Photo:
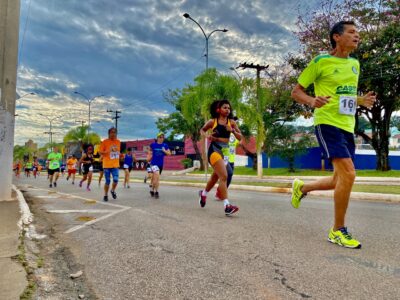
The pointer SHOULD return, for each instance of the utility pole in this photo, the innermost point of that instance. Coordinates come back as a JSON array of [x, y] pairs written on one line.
[[258, 68], [117, 116], [9, 28]]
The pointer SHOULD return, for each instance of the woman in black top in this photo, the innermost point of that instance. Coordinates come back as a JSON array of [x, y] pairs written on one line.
[[87, 164], [218, 131]]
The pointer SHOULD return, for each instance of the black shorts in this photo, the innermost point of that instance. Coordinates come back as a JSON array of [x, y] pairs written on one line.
[[86, 169], [52, 171], [335, 142]]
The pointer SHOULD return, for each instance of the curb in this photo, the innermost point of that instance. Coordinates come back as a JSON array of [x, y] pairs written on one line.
[[329, 194], [25, 222]]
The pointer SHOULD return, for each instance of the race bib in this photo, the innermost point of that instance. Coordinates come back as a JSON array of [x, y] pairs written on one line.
[[55, 164], [232, 150], [226, 160], [91, 169], [126, 166], [114, 155], [348, 105], [155, 168]]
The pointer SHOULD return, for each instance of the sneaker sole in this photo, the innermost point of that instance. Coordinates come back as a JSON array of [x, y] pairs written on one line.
[[341, 245]]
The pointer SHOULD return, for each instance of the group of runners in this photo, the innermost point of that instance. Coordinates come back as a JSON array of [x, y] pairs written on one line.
[[28, 167], [335, 79]]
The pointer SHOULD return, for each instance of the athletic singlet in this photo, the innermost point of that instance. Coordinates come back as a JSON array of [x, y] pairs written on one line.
[[220, 130], [88, 157]]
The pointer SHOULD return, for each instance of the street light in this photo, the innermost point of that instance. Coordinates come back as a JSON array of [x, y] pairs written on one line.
[[207, 36], [89, 102], [51, 126], [234, 70], [27, 94]]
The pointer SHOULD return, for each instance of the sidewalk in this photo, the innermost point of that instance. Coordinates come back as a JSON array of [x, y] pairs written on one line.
[[12, 276]]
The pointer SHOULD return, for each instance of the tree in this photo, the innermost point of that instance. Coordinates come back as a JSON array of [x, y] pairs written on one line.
[[286, 146], [20, 152], [80, 135], [379, 56]]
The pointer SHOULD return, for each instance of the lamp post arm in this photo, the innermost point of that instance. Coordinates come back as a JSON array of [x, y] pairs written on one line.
[[201, 28]]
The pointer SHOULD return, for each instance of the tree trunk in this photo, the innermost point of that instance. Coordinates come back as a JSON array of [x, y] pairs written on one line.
[[198, 153], [252, 155]]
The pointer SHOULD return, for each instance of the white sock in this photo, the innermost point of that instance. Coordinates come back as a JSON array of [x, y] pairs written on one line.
[[226, 202], [204, 193]]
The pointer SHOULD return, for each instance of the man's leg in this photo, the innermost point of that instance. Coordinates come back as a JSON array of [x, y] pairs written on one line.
[[107, 178], [346, 174]]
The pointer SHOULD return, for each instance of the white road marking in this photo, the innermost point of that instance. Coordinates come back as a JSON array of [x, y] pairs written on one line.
[[84, 211], [121, 209]]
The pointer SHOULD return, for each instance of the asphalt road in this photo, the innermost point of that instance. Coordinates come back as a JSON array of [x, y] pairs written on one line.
[[171, 248]]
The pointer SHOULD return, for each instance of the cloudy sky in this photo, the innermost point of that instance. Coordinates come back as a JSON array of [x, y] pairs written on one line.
[[132, 51]]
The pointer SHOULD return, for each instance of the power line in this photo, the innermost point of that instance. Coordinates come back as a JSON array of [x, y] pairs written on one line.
[[23, 35]]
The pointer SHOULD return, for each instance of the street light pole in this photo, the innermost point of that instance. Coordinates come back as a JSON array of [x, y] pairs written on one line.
[[206, 36], [89, 100], [51, 128]]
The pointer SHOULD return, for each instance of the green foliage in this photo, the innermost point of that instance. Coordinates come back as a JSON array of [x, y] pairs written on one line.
[[287, 146], [187, 163], [80, 135], [21, 151]]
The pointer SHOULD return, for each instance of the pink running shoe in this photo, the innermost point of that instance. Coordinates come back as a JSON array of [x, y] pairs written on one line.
[[202, 199], [230, 209]]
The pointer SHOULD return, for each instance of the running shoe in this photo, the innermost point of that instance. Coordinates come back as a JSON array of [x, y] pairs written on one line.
[[88, 189], [50, 185], [73, 182], [80, 183], [230, 209], [156, 195], [152, 193], [145, 179], [202, 199], [343, 238], [218, 195], [67, 178], [105, 198], [297, 195], [128, 186], [113, 194], [55, 183]]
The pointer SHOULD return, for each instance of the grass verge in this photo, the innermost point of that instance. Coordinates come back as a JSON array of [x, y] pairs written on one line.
[[30, 289]]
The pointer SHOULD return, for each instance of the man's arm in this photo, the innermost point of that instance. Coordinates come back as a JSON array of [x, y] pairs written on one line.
[[367, 100], [300, 96]]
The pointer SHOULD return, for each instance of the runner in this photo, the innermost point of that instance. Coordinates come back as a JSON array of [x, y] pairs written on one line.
[[155, 156], [222, 126], [231, 153], [62, 168], [28, 168], [53, 166], [71, 166], [87, 169], [335, 79], [110, 150], [35, 167], [129, 159]]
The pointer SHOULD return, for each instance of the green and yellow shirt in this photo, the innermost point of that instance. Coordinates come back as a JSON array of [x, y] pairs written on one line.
[[338, 78], [54, 160]]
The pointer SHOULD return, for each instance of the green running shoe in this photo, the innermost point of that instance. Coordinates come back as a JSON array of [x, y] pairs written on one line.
[[343, 238], [297, 195]]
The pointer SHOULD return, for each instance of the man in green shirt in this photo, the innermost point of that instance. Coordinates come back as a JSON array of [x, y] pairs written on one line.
[[53, 166], [335, 79]]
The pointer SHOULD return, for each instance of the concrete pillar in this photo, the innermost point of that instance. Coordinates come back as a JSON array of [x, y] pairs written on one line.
[[9, 29]]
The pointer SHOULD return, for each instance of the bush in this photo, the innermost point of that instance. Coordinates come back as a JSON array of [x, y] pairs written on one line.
[[187, 163]]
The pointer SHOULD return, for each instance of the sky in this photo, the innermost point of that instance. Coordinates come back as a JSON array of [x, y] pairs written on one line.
[[132, 51]]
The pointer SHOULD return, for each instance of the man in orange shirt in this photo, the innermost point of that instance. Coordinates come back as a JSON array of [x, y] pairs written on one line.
[[110, 149]]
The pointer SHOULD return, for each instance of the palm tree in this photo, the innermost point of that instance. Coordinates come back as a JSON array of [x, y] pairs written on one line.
[[80, 135]]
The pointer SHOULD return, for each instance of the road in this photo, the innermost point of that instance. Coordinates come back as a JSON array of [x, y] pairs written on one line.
[[171, 248]]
